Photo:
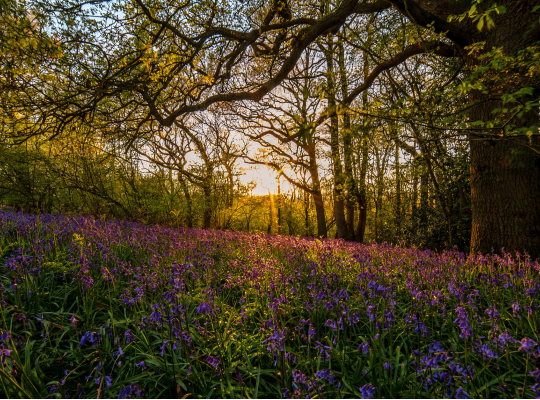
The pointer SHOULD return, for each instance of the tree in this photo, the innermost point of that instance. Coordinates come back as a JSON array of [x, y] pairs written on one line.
[[208, 137], [144, 70], [279, 116]]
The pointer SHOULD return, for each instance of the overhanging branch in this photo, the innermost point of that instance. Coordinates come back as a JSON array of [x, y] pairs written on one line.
[[439, 48]]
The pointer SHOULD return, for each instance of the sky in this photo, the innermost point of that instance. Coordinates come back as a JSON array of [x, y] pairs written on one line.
[[264, 177]]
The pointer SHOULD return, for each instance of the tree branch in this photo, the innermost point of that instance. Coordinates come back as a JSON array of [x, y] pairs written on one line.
[[439, 48], [425, 13]]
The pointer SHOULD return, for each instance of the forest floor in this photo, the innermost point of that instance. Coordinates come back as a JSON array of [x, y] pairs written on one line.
[[102, 309]]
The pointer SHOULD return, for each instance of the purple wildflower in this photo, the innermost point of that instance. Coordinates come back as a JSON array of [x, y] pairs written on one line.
[[462, 394], [368, 391], [205, 308], [4, 352], [323, 349], [364, 347], [527, 345], [326, 374], [127, 391], [129, 336]]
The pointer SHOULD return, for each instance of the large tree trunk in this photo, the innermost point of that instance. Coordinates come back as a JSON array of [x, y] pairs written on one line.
[[339, 214], [505, 174], [505, 195]]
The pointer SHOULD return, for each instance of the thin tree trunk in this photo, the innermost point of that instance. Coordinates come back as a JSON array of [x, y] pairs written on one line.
[[339, 182], [273, 227], [350, 184], [230, 189], [306, 213], [207, 212], [321, 217], [189, 201], [424, 191], [446, 209], [362, 216], [398, 195], [316, 191], [463, 202], [278, 201], [414, 206], [364, 145], [380, 192]]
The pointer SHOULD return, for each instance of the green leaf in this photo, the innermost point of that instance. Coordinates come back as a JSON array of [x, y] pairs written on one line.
[[256, 396], [489, 22], [526, 91], [480, 23]]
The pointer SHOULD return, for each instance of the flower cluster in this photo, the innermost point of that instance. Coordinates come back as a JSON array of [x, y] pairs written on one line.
[[139, 310]]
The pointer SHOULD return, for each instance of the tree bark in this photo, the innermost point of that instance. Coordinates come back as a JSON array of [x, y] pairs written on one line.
[[424, 188], [505, 198], [414, 206], [398, 195], [307, 231], [362, 216], [364, 145], [189, 201], [273, 226], [505, 174], [381, 166], [445, 201], [230, 189], [278, 205], [339, 184], [207, 212], [321, 217], [350, 183], [316, 191]]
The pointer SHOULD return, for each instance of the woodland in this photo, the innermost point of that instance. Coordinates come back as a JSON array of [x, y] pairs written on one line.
[[394, 254], [412, 122]]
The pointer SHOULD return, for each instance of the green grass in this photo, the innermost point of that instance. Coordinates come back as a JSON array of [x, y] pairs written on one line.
[[249, 302]]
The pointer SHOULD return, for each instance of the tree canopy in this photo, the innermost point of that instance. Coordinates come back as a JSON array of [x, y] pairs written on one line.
[[410, 120]]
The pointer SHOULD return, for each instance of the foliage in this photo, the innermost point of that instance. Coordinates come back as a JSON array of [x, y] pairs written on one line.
[[117, 309]]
